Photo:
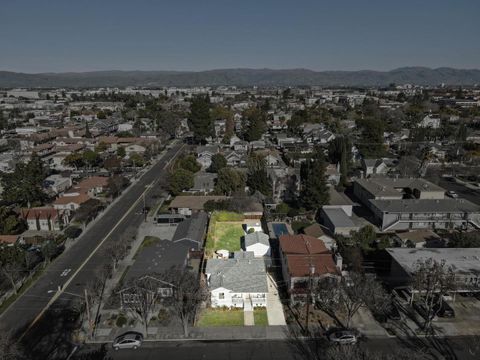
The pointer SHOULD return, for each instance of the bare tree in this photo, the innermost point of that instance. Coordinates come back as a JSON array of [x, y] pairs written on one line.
[[143, 297], [349, 296], [117, 250], [432, 279], [189, 291], [9, 349]]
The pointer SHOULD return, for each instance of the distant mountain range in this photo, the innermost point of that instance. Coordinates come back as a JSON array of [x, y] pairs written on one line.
[[243, 77]]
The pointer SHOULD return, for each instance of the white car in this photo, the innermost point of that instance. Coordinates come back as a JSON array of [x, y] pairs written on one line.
[[131, 340], [452, 194], [343, 337]]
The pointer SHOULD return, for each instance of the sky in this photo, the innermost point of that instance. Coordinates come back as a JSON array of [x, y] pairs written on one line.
[[88, 35]]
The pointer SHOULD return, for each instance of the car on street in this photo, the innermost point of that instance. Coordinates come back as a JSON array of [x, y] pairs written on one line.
[[452, 194], [343, 337], [130, 340]]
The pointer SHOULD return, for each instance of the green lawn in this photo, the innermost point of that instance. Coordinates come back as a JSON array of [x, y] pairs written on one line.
[[260, 317], [214, 317], [227, 236]]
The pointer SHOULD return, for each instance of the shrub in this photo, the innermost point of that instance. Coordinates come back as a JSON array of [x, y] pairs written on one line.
[[121, 321], [163, 317], [72, 232]]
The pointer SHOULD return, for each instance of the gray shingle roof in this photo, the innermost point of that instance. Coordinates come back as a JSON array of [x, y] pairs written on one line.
[[238, 275], [426, 205], [256, 237]]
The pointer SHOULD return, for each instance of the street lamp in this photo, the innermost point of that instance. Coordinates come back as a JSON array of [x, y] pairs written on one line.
[[309, 298]]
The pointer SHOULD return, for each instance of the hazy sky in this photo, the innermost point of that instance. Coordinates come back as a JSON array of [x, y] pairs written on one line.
[[81, 35]]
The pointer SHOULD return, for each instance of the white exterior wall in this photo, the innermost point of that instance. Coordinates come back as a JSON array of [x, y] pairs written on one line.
[[231, 299], [259, 250]]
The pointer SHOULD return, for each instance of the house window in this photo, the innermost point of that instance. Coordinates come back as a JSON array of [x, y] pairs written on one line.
[[165, 292], [221, 296]]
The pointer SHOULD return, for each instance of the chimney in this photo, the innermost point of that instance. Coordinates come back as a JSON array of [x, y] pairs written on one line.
[[338, 261]]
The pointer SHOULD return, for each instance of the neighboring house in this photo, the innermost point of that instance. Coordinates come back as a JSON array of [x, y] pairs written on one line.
[[9, 239], [337, 215], [258, 243], [203, 182], [316, 231], [240, 146], [235, 281], [57, 184], [128, 295], [430, 121], [92, 186], [187, 205], [464, 262], [304, 259], [418, 239], [412, 203], [374, 167], [332, 172], [205, 153], [44, 218], [234, 158], [70, 202]]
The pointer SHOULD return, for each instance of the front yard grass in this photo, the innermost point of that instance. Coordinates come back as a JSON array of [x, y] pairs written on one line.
[[220, 317], [260, 317]]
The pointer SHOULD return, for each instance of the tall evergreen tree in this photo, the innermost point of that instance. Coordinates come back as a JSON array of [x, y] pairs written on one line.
[[257, 176], [200, 121], [254, 123], [314, 191]]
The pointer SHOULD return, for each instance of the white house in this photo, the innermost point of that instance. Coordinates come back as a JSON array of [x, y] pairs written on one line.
[[257, 242], [238, 281], [430, 121]]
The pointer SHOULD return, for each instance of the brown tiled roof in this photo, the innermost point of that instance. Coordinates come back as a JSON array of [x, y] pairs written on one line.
[[91, 182], [299, 265], [78, 199], [8, 239], [302, 244], [39, 212]]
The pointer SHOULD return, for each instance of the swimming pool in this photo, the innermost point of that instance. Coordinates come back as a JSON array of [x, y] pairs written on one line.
[[279, 229]]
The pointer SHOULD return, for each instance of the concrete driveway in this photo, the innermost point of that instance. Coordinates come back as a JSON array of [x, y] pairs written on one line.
[[274, 305]]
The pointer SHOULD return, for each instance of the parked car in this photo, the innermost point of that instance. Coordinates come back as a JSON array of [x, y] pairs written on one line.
[[343, 337], [393, 313], [130, 340], [452, 194], [445, 310]]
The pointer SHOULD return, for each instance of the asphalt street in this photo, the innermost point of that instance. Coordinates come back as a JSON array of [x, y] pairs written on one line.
[[73, 269], [450, 184], [452, 348]]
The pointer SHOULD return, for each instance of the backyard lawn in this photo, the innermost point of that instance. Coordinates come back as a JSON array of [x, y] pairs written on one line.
[[260, 317], [227, 235], [217, 317]]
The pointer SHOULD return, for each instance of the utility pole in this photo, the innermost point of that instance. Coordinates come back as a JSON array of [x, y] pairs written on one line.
[[309, 298]]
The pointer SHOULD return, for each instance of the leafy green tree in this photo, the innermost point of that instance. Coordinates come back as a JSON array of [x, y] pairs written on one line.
[[314, 191], [218, 162], [371, 140], [24, 185], [200, 121], [91, 158], [11, 264], [297, 120], [179, 180], [364, 238], [188, 162], [136, 159], [10, 223], [49, 250], [229, 181], [121, 153], [168, 121], [3, 121], [254, 123], [464, 240], [257, 176], [101, 115], [75, 160]]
